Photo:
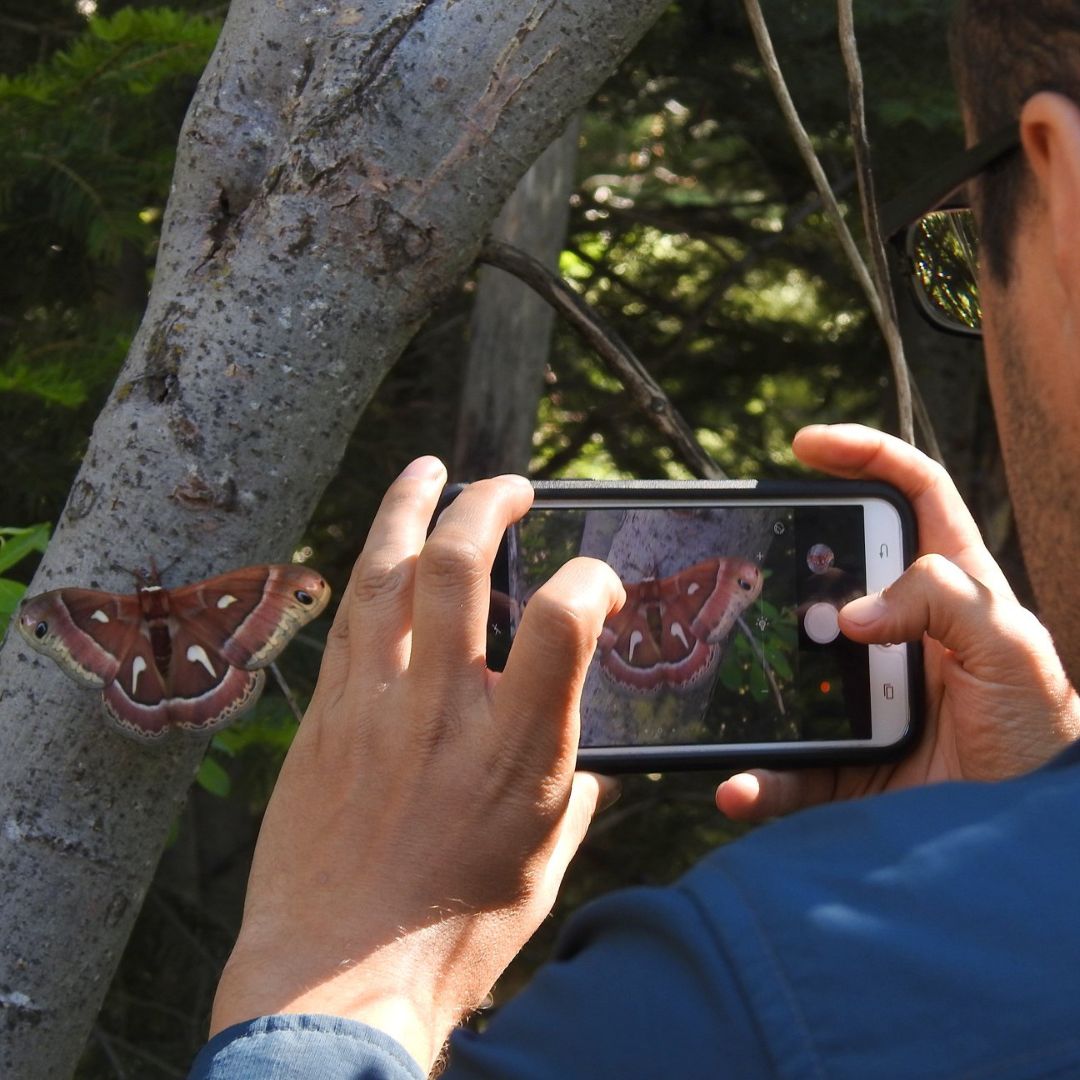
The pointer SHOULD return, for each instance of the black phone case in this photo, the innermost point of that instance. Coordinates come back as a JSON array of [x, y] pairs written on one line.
[[730, 756]]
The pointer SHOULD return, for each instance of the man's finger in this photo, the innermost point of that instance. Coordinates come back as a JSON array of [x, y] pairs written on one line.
[[540, 689], [589, 795], [994, 639], [760, 794], [453, 576], [945, 524], [371, 631]]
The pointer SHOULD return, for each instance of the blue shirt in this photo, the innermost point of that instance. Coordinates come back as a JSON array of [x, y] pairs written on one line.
[[927, 933]]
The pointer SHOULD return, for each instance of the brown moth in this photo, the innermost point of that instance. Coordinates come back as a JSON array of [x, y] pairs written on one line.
[[186, 658], [671, 630]]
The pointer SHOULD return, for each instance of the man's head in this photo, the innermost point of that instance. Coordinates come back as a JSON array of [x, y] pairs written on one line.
[[1022, 61], [1003, 53]]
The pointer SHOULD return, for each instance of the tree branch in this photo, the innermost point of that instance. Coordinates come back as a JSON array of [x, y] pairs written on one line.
[[874, 286], [643, 388]]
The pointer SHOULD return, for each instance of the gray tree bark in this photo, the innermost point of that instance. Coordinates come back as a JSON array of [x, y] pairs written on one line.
[[336, 172], [511, 326]]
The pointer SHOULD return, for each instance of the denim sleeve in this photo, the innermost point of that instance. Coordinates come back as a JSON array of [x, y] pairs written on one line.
[[295, 1046]]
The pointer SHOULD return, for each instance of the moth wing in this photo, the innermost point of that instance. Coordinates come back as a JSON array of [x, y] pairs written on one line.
[[87, 632], [687, 656], [200, 693], [136, 699], [248, 616], [630, 654]]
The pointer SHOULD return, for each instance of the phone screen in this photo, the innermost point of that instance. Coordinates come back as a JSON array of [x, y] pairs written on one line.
[[729, 634]]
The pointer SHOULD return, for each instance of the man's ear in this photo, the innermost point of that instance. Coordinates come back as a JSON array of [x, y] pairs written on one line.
[[1050, 134]]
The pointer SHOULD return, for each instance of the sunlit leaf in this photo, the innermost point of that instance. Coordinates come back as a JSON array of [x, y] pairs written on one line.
[[11, 593], [16, 544]]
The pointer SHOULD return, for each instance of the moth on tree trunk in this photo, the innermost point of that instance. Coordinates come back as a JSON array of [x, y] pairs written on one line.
[[187, 659]]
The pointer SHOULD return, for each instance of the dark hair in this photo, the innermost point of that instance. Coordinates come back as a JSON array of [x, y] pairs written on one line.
[[1003, 51]]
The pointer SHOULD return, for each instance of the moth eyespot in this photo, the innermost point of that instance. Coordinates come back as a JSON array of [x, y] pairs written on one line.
[[41, 630], [745, 585], [305, 598]]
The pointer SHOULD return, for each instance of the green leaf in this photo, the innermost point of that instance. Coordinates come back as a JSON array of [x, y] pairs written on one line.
[[270, 725], [212, 777], [50, 382], [11, 592], [759, 685], [779, 662], [16, 544]]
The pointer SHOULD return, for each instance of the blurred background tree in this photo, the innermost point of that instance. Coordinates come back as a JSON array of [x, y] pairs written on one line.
[[693, 229]]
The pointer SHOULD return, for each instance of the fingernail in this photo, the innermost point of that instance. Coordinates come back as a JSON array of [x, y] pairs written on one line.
[[866, 609], [515, 478], [610, 790], [423, 468]]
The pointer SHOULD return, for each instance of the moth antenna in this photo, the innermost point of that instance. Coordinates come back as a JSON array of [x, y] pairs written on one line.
[[141, 574], [286, 689], [168, 568]]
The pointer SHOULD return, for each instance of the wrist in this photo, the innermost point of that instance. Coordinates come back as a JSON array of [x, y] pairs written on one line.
[[379, 994]]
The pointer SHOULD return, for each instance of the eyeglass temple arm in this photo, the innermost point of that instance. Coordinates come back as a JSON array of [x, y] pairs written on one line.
[[930, 192]]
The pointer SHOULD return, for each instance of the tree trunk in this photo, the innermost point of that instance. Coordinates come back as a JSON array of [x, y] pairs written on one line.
[[511, 326], [336, 172]]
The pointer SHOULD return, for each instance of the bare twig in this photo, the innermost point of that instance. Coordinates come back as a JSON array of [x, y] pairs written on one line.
[[806, 151], [286, 689], [890, 328], [643, 388], [925, 424], [877, 293]]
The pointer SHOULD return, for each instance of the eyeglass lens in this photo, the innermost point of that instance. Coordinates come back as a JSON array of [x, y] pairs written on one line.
[[943, 246]]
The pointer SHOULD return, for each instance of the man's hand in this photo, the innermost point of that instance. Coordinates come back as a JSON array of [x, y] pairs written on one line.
[[998, 702], [428, 808]]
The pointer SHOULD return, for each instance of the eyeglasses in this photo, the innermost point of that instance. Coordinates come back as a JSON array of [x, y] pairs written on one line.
[[935, 229]]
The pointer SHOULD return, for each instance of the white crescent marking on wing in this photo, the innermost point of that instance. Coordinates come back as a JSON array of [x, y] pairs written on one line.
[[197, 655], [692, 588], [99, 616], [636, 638], [138, 666], [680, 633], [225, 601]]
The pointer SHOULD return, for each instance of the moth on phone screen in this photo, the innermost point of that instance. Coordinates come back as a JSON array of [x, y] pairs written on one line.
[[670, 632]]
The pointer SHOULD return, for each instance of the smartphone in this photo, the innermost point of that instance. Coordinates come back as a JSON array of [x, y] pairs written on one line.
[[727, 652]]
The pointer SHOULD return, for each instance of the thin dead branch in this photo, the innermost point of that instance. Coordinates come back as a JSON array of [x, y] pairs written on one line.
[[875, 285], [642, 387]]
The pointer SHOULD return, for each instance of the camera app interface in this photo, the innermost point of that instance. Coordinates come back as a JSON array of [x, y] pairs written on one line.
[[729, 631]]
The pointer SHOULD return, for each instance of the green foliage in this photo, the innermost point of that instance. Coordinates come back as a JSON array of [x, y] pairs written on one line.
[[212, 777], [77, 129], [16, 545], [697, 234], [87, 140], [255, 747]]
